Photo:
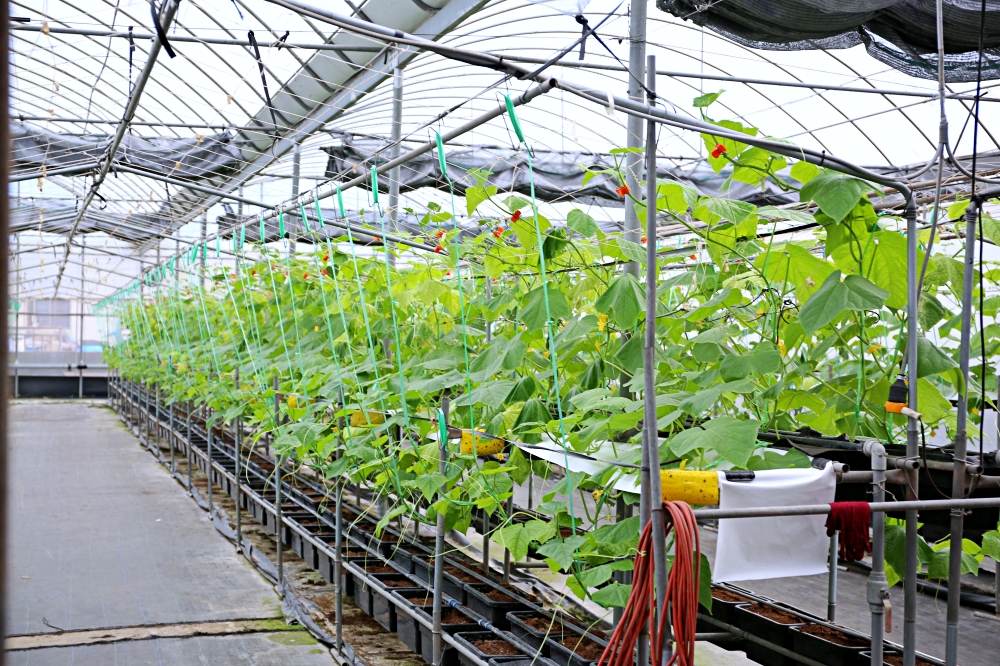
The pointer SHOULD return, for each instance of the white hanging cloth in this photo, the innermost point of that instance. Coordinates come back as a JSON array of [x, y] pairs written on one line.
[[778, 547]]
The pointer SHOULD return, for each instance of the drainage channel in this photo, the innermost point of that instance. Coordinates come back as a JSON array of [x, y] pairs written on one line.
[[391, 576]]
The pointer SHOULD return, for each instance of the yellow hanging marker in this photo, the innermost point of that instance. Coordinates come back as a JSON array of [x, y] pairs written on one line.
[[691, 486], [366, 418], [484, 444]]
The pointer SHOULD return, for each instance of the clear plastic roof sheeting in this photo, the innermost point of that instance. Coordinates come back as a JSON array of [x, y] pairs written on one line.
[[204, 141]]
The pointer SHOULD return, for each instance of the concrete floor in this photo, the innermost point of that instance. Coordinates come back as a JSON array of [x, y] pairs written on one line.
[[101, 536]]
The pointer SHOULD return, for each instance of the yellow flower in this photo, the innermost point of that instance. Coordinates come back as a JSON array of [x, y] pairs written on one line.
[[291, 401], [872, 349], [315, 328], [602, 321], [597, 344], [500, 457], [781, 346], [597, 494]]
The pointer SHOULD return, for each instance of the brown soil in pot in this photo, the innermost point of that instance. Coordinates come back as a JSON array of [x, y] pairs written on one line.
[[771, 613], [397, 583], [495, 647], [454, 616], [462, 576], [730, 597], [543, 624], [833, 635], [897, 660], [583, 647], [499, 595], [376, 568]]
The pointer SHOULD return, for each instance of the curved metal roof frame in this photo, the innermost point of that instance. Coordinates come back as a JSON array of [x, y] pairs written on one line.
[[209, 84]]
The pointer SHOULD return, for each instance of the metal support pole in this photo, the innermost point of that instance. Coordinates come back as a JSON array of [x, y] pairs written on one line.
[[188, 446], [652, 439], [277, 488], [238, 444], [439, 536], [831, 592], [622, 512], [170, 438], [208, 468], [912, 445], [486, 543], [296, 171], [79, 353], [204, 253], [338, 541], [506, 551], [961, 441], [156, 415], [395, 134], [634, 135], [878, 588]]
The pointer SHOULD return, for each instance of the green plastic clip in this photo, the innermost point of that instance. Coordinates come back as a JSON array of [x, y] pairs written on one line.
[[281, 224], [441, 161], [513, 118], [340, 202], [305, 221], [375, 184], [263, 231], [319, 216]]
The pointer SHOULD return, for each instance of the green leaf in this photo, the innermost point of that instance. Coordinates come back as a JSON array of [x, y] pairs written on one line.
[[733, 439], [429, 484], [521, 465], [595, 576], [515, 202], [492, 394], [582, 224], [797, 216], [705, 584], [839, 293], [623, 531], [884, 264], [539, 530], [614, 595], [381, 525], [476, 195], [513, 538], [834, 193], [623, 301], [991, 544], [930, 359], [803, 171], [795, 265], [706, 100], [533, 414], [763, 360], [533, 312], [562, 551]]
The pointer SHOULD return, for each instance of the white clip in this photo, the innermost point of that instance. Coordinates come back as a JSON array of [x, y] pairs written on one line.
[[611, 106]]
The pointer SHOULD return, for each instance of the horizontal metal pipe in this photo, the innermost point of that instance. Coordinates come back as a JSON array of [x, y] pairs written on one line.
[[49, 173], [823, 509], [739, 79], [102, 121], [183, 183], [69, 366], [186, 39]]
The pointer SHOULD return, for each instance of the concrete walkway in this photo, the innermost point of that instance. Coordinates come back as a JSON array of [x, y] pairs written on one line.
[[101, 537]]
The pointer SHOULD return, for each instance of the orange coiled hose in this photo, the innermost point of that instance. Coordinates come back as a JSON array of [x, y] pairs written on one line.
[[682, 595]]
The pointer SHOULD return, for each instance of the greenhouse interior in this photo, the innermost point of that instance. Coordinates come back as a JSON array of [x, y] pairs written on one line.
[[350, 337]]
